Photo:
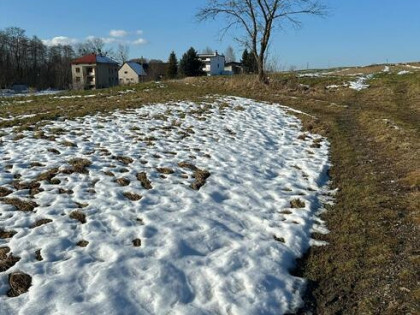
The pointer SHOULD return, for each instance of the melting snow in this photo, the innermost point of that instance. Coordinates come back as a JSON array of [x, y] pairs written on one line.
[[211, 251]]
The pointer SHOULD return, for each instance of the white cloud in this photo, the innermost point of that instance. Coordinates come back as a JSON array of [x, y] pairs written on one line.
[[109, 40], [60, 40], [139, 32], [118, 33], [140, 41]]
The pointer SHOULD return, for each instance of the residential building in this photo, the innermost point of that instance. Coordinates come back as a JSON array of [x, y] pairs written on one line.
[[94, 71], [232, 68], [131, 73], [214, 64]]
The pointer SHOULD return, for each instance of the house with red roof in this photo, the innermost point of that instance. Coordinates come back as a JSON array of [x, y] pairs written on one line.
[[94, 71]]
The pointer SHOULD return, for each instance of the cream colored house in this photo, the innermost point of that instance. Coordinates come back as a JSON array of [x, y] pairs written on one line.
[[131, 73], [94, 72]]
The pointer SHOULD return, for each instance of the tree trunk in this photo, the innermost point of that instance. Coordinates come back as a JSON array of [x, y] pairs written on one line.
[[261, 73]]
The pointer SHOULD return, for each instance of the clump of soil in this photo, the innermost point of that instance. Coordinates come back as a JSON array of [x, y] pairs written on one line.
[[79, 216], [145, 182], [137, 242], [140, 221], [123, 181], [20, 205], [40, 222], [19, 283], [109, 173], [165, 170], [297, 203], [7, 260], [200, 178], [4, 191], [38, 255], [124, 159], [82, 243], [132, 196]]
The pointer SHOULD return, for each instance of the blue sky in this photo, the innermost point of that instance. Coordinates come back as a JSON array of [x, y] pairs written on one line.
[[356, 32]]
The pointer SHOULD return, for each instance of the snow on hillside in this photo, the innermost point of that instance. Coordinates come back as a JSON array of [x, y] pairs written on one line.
[[176, 208]]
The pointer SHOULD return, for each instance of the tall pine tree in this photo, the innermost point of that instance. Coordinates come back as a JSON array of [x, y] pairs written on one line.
[[190, 65], [173, 66], [249, 62]]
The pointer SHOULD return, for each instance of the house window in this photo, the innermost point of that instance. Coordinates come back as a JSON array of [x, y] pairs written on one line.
[[77, 79], [125, 72], [77, 70]]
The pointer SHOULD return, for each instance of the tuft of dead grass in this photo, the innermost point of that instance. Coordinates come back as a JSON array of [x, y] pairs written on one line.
[[19, 283], [79, 216], [132, 196], [124, 159], [40, 222], [38, 255], [20, 205], [137, 242], [122, 181], [200, 177], [165, 170], [7, 260], [297, 203], [82, 243], [145, 182], [5, 191]]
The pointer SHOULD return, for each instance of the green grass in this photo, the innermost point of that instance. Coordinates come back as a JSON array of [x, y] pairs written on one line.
[[371, 263]]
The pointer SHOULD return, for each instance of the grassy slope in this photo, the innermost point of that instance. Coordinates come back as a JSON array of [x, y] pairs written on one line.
[[371, 263]]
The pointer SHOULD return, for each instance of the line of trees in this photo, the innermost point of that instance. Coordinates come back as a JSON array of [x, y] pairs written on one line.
[[29, 61]]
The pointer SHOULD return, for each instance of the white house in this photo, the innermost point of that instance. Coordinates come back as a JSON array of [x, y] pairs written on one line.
[[214, 64], [131, 73]]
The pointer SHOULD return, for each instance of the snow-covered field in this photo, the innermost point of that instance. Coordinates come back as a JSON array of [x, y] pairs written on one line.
[[163, 247]]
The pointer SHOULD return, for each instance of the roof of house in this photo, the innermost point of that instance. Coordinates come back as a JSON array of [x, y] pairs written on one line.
[[93, 59], [137, 68]]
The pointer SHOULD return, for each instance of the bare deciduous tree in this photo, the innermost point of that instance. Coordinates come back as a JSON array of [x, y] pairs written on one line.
[[230, 54], [258, 19], [122, 53]]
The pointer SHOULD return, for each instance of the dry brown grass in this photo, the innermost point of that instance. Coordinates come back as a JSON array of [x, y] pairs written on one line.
[[38, 255], [122, 181], [19, 204], [41, 222], [6, 234], [132, 196], [19, 283], [371, 252], [165, 170], [200, 177], [145, 182], [78, 165], [82, 243], [297, 203], [137, 242], [79, 216], [5, 191], [124, 159]]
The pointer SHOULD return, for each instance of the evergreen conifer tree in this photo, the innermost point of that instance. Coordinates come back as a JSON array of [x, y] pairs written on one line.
[[190, 65], [173, 66]]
